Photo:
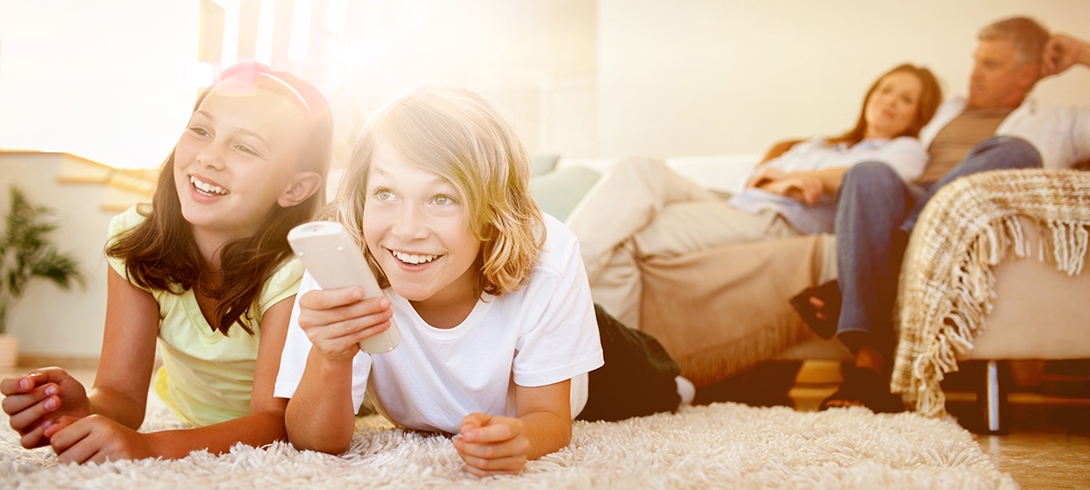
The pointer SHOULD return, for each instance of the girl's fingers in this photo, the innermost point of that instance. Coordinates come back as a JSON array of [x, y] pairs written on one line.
[[14, 403], [36, 437], [79, 454], [33, 379], [68, 437], [24, 418], [13, 386], [54, 426]]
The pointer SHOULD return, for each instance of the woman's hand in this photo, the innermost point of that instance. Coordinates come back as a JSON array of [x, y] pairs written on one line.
[[336, 321], [36, 401], [799, 186], [804, 187], [492, 445], [95, 439], [766, 175]]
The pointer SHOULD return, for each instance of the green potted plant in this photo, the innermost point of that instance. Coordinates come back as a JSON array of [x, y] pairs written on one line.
[[27, 253]]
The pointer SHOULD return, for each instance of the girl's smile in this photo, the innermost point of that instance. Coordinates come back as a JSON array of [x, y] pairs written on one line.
[[204, 187], [235, 161]]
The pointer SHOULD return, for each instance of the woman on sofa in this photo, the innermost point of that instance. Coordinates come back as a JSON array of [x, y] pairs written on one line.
[[640, 208]]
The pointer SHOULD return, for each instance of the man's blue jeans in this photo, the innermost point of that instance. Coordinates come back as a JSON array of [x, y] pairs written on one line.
[[874, 206]]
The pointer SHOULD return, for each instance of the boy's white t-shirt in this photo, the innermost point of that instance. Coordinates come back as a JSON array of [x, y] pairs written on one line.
[[543, 333]]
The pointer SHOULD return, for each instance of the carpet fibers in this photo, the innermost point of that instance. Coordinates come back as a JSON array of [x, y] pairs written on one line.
[[711, 446]]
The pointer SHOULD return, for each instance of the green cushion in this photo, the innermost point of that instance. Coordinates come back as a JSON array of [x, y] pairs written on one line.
[[558, 192], [544, 163]]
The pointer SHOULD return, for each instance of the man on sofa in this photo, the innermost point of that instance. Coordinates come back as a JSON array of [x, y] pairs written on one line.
[[995, 128]]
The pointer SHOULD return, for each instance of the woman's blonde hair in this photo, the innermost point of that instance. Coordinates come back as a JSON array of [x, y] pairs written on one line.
[[460, 136]]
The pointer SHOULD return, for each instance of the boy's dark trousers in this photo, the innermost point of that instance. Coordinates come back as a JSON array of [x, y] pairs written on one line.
[[637, 378]]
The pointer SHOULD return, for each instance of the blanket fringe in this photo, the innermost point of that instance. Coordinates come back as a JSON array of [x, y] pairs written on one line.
[[949, 298], [708, 366]]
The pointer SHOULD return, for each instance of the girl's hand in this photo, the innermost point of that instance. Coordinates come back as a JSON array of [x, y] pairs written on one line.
[[96, 439], [336, 321], [492, 445], [36, 401]]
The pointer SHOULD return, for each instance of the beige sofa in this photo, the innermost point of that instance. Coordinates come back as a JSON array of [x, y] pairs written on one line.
[[701, 305]]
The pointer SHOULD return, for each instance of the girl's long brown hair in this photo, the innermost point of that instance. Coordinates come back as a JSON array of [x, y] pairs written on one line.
[[930, 98], [161, 253]]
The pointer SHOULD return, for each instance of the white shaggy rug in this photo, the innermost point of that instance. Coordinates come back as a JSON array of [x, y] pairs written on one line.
[[713, 446]]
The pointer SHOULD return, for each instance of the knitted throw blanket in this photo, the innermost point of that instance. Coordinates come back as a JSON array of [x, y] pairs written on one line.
[[947, 285]]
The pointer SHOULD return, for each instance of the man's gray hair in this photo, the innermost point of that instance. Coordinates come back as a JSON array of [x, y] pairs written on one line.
[[1027, 35]]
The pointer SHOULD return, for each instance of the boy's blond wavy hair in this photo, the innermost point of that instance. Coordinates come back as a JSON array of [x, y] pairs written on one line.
[[460, 136]]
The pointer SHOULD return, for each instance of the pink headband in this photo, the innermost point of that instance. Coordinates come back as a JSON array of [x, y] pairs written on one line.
[[289, 87]]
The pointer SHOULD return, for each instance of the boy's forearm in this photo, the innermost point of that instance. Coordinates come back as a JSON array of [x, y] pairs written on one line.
[[548, 432], [320, 415]]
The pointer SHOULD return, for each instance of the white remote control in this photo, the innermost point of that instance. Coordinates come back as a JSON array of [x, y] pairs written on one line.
[[333, 258]]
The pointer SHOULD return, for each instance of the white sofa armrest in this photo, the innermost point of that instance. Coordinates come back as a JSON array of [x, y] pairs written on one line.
[[718, 172]]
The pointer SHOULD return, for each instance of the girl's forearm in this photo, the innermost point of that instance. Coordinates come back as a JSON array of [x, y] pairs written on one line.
[[256, 429], [320, 416], [116, 406], [547, 431]]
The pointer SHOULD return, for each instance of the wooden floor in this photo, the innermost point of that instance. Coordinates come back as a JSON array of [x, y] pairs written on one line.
[[1048, 445]]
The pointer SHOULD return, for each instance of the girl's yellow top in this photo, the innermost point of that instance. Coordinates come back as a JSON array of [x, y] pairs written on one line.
[[206, 377]]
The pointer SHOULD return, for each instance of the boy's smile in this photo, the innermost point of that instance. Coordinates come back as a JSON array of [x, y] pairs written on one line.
[[415, 224]]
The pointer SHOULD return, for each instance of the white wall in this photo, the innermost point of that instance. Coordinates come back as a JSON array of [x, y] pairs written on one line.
[[110, 81], [696, 77], [535, 60], [47, 320]]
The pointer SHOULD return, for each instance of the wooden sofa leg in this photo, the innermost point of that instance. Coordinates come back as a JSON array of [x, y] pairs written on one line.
[[994, 399]]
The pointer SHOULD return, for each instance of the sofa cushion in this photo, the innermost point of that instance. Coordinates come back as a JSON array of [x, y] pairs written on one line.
[[558, 192], [544, 163]]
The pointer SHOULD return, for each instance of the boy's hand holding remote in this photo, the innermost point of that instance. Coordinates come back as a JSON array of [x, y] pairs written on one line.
[[336, 320], [336, 262]]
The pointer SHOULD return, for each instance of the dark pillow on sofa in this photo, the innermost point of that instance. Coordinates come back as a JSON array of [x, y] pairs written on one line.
[[558, 192]]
